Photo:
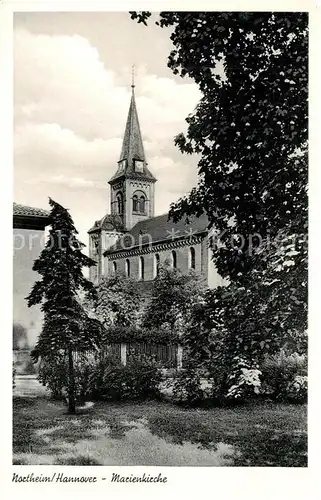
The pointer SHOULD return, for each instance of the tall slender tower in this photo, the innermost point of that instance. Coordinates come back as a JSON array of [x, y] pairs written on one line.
[[132, 185]]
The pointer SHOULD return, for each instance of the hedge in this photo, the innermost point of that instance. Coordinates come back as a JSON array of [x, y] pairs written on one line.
[[119, 334]]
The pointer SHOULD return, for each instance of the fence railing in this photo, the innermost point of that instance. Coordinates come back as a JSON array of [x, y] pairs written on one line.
[[168, 356]]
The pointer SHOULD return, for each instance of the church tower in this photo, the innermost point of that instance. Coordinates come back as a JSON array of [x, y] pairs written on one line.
[[132, 186]]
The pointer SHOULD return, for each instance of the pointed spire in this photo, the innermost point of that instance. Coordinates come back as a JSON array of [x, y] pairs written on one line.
[[132, 148]]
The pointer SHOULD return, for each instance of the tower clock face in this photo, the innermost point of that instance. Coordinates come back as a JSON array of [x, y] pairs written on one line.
[[139, 166]]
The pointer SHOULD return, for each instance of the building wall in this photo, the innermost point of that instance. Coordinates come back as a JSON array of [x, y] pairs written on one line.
[[182, 259], [105, 240], [214, 279], [148, 189], [27, 322], [128, 188]]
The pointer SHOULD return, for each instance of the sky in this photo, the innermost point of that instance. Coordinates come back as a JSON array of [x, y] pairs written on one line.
[[72, 77]]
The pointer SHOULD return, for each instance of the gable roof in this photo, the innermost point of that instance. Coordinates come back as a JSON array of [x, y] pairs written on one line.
[[161, 229], [110, 222], [132, 148]]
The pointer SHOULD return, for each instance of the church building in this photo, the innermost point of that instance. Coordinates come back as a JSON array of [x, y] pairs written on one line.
[[131, 239]]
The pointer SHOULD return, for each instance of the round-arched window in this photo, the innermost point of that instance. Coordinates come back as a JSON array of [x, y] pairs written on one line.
[[141, 268], [135, 203], [174, 259], [127, 267], [119, 202], [156, 264], [192, 258], [142, 204], [139, 202]]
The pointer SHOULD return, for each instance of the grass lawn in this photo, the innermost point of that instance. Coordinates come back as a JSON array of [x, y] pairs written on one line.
[[155, 433]]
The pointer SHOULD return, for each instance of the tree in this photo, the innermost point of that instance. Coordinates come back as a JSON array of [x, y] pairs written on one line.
[[172, 299], [118, 301], [250, 129], [67, 327]]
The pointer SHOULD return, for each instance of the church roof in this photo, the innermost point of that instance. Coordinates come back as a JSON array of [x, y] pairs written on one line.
[[161, 229], [132, 148], [26, 211], [110, 222]]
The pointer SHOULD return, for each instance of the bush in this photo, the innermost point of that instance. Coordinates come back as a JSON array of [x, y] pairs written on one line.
[[103, 379], [284, 377], [53, 373], [243, 380], [139, 379], [297, 389], [192, 387]]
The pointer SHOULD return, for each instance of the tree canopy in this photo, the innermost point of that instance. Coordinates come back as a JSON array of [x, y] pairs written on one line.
[[172, 298], [60, 264], [250, 130], [119, 301]]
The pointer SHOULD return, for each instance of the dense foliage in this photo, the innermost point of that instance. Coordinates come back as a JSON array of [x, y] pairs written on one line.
[[66, 326], [129, 315], [250, 130], [133, 334], [172, 298], [284, 377], [118, 301], [102, 378], [139, 379]]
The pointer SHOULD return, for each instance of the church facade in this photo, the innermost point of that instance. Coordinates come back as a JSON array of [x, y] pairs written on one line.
[[131, 239]]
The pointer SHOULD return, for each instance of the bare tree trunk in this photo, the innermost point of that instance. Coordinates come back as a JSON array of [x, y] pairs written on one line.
[[71, 383]]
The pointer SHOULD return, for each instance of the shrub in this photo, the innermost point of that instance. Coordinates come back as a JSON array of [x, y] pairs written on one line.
[[139, 379], [102, 379], [243, 380], [53, 373], [282, 375], [297, 389], [192, 387]]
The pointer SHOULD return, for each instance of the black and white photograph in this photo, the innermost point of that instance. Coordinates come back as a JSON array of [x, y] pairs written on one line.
[[160, 240]]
